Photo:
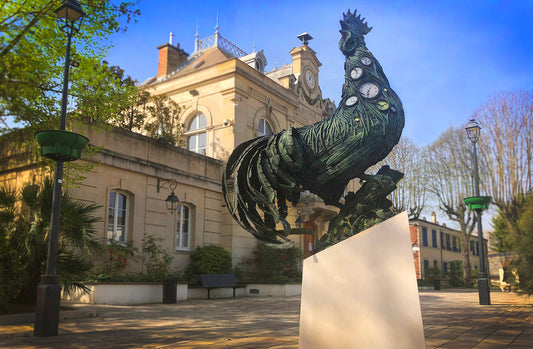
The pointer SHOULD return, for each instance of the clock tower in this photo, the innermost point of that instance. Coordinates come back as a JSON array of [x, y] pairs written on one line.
[[305, 69]]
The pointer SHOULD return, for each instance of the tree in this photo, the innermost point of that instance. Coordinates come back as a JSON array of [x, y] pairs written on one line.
[[524, 247], [449, 178], [506, 151], [501, 240], [411, 193], [164, 114], [32, 51], [24, 222]]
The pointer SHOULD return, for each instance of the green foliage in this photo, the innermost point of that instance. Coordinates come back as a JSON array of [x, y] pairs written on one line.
[[24, 224], [507, 225], [271, 265], [432, 273], [208, 259], [117, 255], [501, 239], [134, 277], [456, 273], [524, 247], [155, 257], [165, 114], [30, 78]]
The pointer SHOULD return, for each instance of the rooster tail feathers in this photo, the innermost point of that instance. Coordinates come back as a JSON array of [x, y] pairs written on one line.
[[262, 174]]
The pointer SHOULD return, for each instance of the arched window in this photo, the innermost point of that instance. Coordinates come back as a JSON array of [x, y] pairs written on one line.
[[117, 219], [264, 128], [197, 137], [183, 228]]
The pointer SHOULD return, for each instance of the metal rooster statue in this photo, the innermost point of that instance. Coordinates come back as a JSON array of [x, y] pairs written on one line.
[[262, 174]]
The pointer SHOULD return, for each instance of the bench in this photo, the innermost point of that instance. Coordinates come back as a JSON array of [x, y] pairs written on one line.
[[211, 281]]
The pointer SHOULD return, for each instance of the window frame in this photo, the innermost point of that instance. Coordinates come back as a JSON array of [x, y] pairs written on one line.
[[128, 198], [434, 242], [179, 246], [424, 236], [261, 128], [196, 132]]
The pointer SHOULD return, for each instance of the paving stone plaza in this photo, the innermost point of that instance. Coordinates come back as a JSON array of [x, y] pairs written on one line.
[[452, 319]]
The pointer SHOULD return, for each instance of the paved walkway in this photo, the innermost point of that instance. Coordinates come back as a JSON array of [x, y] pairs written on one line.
[[452, 319]]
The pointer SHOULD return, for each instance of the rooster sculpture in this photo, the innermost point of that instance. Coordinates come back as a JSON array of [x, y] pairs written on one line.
[[262, 174]]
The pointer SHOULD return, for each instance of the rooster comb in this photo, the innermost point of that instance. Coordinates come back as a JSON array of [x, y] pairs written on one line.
[[355, 21]]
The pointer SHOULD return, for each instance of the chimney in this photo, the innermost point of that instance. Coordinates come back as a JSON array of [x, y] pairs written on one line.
[[433, 218], [170, 57]]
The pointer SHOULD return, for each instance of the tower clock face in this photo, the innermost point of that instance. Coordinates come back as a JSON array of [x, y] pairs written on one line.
[[309, 79]]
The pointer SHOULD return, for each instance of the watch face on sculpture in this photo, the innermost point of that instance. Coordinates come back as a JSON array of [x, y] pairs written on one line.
[[366, 61], [309, 79], [356, 73], [369, 90]]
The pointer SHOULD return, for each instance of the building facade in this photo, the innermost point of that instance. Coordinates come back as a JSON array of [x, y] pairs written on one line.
[[226, 97], [436, 246]]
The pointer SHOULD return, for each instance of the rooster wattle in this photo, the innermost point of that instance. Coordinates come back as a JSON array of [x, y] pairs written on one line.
[[264, 173]]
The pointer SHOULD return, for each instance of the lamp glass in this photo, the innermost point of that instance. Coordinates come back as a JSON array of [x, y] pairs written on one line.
[[70, 10], [473, 130], [172, 202]]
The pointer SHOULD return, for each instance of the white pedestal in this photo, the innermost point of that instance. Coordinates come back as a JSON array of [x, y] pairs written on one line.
[[362, 292]]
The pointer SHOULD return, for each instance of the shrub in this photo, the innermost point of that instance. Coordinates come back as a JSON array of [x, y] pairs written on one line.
[[456, 273], [118, 256], [154, 257], [208, 259], [272, 265]]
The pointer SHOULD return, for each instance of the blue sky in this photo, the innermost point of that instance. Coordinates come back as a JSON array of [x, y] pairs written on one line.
[[443, 58]]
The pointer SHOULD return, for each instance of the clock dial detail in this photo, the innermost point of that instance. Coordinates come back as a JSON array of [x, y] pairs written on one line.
[[356, 73], [351, 101], [369, 90], [366, 60], [309, 79]]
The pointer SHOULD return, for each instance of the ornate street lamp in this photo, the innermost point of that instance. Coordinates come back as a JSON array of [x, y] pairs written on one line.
[[172, 201], [60, 146], [479, 203]]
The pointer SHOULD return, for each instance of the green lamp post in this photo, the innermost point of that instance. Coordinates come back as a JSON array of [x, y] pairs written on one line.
[[60, 146], [479, 203]]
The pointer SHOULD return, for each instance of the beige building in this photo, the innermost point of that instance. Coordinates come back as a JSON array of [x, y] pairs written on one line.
[[435, 245], [226, 97]]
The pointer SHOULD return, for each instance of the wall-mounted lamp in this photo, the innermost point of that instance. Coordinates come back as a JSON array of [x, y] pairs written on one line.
[[172, 201], [299, 221], [227, 122]]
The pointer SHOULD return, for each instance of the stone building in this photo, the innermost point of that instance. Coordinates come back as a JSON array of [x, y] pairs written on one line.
[[436, 245], [226, 97]]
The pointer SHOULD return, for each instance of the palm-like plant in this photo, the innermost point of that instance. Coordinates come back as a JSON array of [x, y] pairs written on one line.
[[24, 225]]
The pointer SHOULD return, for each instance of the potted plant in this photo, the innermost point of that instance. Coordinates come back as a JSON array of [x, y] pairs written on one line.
[[61, 145]]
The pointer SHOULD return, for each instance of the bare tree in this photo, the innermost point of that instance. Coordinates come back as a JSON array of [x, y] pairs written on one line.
[[449, 161], [411, 193], [506, 151]]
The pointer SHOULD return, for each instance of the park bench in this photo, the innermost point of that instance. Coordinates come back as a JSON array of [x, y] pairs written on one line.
[[211, 281]]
